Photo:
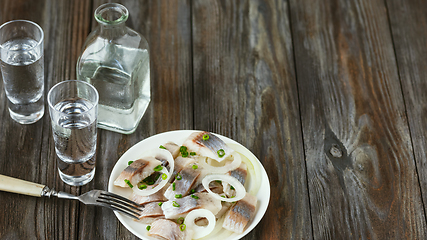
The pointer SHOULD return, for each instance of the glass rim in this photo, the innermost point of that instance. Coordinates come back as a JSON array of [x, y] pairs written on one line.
[[39, 42], [77, 81], [114, 6]]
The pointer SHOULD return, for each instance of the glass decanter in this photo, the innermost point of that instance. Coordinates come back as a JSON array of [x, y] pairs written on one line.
[[115, 60]]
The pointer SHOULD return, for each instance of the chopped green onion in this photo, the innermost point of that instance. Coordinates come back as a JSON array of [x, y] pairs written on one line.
[[223, 196], [161, 146], [160, 204], [221, 153], [183, 149], [178, 176], [205, 137], [158, 168], [231, 187], [194, 166], [173, 186], [148, 228], [178, 196], [164, 176], [130, 162], [180, 220], [232, 196], [128, 183], [156, 176], [175, 204], [218, 181], [192, 191], [149, 180], [143, 186], [192, 153], [194, 196], [182, 227]]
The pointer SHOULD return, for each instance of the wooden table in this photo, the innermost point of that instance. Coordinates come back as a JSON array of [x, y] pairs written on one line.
[[330, 95]]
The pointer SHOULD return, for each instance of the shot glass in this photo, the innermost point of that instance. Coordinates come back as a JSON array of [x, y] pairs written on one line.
[[22, 68], [73, 108]]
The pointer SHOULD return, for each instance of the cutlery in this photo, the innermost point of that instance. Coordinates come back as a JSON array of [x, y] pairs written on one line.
[[93, 197]]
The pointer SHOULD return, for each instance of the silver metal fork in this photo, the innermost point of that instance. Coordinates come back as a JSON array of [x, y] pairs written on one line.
[[93, 197]]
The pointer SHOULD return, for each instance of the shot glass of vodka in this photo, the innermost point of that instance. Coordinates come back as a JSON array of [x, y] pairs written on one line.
[[22, 68], [73, 108]]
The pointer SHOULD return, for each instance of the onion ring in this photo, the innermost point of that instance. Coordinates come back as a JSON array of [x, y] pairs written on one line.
[[240, 189], [169, 158], [237, 160], [199, 231]]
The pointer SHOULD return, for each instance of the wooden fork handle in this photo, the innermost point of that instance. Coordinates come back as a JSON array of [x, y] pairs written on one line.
[[14, 185]]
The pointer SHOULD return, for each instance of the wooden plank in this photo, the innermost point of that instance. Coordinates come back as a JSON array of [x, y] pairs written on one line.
[[408, 21], [362, 178], [245, 89], [166, 26], [29, 149]]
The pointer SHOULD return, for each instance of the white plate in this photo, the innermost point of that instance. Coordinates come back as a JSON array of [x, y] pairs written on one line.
[[178, 137]]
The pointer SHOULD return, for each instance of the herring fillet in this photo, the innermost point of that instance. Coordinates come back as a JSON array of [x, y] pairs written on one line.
[[167, 229], [137, 171], [183, 186], [151, 212], [240, 174], [188, 203], [239, 215], [155, 197], [173, 148], [208, 148]]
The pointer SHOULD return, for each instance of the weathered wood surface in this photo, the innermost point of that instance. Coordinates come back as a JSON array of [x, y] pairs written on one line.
[[408, 21], [362, 176], [329, 95], [245, 88]]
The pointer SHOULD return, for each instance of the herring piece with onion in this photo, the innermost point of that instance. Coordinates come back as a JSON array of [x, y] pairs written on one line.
[[151, 212], [240, 174], [173, 209], [208, 145], [173, 148], [184, 182], [167, 229], [180, 163], [155, 197], [136, 172], [239, 215]]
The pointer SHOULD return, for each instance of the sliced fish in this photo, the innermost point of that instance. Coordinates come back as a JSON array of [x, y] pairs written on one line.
[[239, 215], [167, 229], [155, 197], [173, 148], [188, 176], [214, 186], [180, 163], [225, 207], [151, 212], [208, 148], [137, 171], [176, 208], [240, 174]]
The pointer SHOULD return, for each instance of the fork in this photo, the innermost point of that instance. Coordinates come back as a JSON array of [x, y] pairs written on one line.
[[93, 197]]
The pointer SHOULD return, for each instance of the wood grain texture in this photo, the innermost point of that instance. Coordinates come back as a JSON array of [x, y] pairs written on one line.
[[362, 178], [166, 26], [408, 21], [29, 148], [244, 88]]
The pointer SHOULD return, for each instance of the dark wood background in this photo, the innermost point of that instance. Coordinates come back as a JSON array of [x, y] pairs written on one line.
[[330, 96]]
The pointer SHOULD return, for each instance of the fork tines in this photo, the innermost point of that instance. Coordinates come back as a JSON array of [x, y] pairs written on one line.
[[121, 204]]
